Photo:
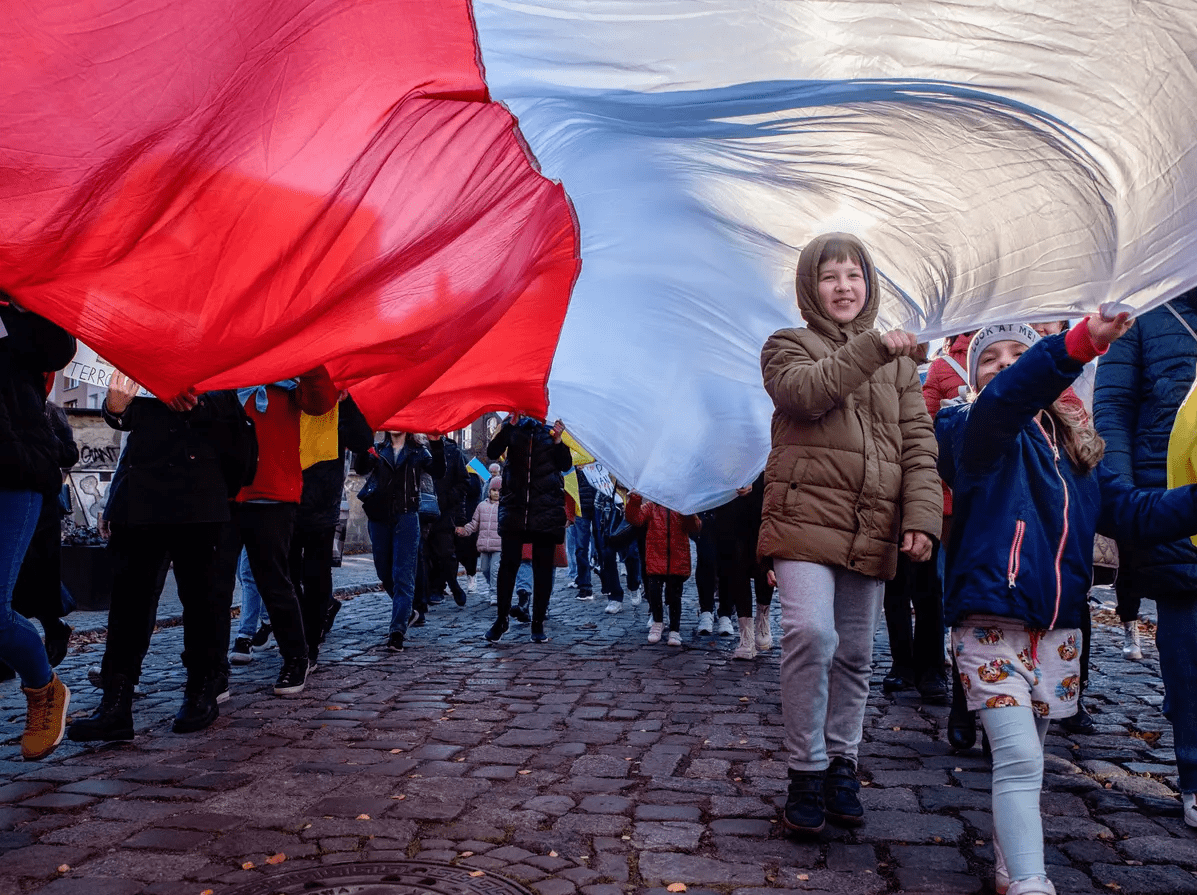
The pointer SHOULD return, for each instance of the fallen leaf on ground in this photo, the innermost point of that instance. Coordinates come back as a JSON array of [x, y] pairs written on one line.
[[276, 859], [676, 887], [466, 854], [64, 868], [248, 865], [477, 873], [396, 751], [524, 772], [552, 854], [399, 797], [363, 817], [804, 876]]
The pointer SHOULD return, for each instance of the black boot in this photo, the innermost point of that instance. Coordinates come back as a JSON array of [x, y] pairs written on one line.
[[962, 724], [1081, 722], [840, 794], [199, 707], [58, 638], [112, 719], [804, 803]]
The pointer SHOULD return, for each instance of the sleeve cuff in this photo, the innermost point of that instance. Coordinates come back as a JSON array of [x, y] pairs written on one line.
[[1080, 344]]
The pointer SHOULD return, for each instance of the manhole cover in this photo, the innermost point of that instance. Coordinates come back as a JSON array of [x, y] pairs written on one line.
[[389, 878]]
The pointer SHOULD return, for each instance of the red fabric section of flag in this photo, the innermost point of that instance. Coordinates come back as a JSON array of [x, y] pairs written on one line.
[[230, 192]]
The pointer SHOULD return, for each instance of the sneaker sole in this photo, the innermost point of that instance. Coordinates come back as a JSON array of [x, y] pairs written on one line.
[[240, 659], [844, 820], [62, 725], [802, 831]]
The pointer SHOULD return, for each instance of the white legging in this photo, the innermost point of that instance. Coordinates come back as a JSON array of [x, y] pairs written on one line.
[[1016, 737]]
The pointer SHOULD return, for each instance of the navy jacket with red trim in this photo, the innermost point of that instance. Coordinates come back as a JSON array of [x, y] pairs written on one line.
[[1022, 542]]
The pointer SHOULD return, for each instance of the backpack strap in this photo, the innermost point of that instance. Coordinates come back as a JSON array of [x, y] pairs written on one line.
[[1183, 322], [955, 365]]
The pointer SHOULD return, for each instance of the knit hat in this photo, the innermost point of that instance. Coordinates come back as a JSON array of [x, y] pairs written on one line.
[[998, 332]]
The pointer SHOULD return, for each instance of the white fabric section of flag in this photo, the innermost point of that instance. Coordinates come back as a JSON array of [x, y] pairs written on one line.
[[1002, 162]]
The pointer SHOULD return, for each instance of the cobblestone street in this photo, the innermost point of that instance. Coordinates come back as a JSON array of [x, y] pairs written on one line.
[[593, 763]]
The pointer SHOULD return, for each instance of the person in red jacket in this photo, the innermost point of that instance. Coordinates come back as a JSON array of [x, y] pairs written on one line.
[[264, 512], [667, 561]]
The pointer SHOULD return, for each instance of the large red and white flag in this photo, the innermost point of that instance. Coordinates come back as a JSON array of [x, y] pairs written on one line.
[[220, 192]]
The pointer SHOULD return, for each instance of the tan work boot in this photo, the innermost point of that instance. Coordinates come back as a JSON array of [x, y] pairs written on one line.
[[45, 719], [747, 647]]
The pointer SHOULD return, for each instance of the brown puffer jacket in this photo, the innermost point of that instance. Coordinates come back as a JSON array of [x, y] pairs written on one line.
[[667, 541], [853, 459]]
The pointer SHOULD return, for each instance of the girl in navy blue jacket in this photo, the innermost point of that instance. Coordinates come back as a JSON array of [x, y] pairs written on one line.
[[1029, 492]]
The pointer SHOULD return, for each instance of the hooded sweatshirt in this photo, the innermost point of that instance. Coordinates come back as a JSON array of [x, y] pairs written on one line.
[[852, 464]]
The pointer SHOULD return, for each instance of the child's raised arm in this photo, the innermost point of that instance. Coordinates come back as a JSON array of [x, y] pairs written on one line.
[[1013, 398], [806, 388]]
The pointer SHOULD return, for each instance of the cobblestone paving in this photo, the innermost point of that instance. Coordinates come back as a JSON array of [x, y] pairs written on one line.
[[593, 763]]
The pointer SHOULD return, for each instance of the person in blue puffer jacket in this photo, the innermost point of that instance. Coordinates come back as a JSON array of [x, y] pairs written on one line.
[[1029, 492]]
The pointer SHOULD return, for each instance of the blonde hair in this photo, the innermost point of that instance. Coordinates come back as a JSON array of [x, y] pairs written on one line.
[[1080, 440]]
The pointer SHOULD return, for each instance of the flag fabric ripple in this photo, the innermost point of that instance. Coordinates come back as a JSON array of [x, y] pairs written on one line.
[[227, 192], [1009, 161], [221, 192]]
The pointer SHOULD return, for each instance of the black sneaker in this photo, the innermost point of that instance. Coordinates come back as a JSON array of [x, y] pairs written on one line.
[[416, 619], [520, 614], [895, 682], [263, 635], [538, 634], [840, 788], [242, 651], [436, 599], [395, 643], [1081, 722], [199, 707], [459, 596], [496, 631], [292, 678], [933, 688], [221, 686], [333, 608], [803, 812]]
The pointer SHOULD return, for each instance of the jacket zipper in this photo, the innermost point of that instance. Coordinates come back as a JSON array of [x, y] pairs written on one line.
[[528, 492], [1064, 532], [1020, 530]]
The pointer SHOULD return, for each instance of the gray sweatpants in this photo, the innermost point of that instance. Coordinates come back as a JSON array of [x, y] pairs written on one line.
[[828, 618]]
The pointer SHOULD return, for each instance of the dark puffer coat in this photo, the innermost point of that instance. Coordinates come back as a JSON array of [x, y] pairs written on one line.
[[1141, 382], [32, 348], [532, 500]]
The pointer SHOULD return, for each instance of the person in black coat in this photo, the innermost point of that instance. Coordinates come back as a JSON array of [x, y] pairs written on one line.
[[172, 502], [316, 527], [39, 593], [531, 511], [452, 495], [30, 347]]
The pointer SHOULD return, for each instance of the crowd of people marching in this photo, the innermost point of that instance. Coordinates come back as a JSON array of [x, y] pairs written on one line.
[[972, 491]]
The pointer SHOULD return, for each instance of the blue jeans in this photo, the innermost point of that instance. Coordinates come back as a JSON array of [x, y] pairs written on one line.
[[570, 547], [523, 578], [582, 528], [20, 645], [396, 548], [1174, 637], [253, 610]]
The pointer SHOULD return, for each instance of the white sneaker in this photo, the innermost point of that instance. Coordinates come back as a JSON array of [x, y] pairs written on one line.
[[655, 630], [1036, 885], [706, 623], [494, 599], [1131, 646], [472, 584], [613, 606], [1001, 875], [634, 596], [723, 626], [1189, 800], [675, 639], [571, 583]]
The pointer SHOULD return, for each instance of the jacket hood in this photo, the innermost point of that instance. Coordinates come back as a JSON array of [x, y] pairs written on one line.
[[807, 288]]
